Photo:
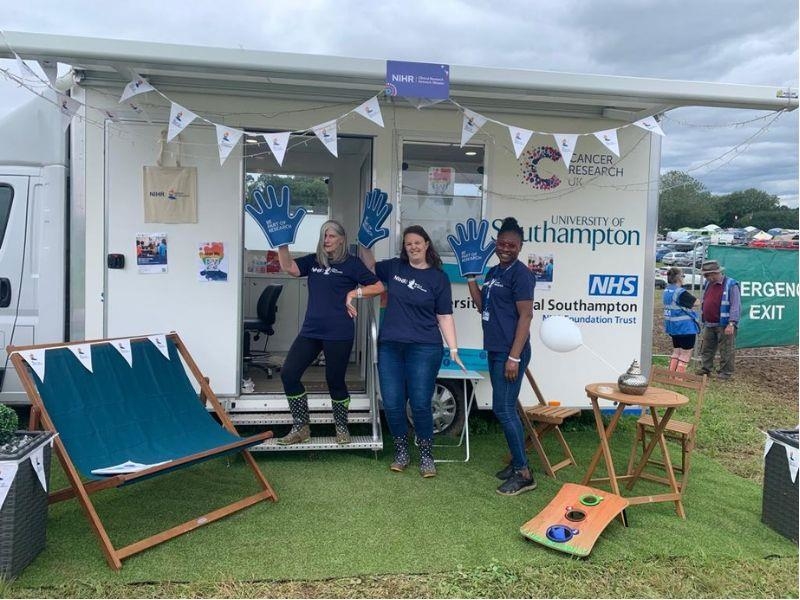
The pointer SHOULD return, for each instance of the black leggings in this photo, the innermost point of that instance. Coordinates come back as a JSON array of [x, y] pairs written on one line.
[[304, 351]]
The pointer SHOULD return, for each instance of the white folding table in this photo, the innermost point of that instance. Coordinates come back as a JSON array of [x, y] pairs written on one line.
[[469, 400]]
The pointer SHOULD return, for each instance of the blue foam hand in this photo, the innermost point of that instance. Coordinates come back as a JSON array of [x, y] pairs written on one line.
[[376, 211], [272, 215], [470, 247]]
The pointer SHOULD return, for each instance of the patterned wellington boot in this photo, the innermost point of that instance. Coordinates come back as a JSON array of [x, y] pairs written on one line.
[[340, 408], [401, 456], [300, 431], [427, 468]]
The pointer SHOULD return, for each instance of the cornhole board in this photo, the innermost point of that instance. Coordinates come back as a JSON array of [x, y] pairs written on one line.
[[574, 519]]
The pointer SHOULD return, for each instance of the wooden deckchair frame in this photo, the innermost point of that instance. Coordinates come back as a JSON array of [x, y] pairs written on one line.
[[81, 490], [541, 419]]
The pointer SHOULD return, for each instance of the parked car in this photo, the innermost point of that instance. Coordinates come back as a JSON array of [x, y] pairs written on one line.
[[686, 261], [661, 251], [670, 257], [689, 280]]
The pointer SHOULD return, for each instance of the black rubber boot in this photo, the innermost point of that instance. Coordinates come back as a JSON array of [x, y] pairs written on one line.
[[427, 468], [340, 409], [401, 456], [300, 432]]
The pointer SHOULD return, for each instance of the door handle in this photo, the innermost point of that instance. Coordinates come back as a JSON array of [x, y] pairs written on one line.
[[5, 292]]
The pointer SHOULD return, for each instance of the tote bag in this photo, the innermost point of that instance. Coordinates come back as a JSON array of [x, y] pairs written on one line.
[[170, 193]]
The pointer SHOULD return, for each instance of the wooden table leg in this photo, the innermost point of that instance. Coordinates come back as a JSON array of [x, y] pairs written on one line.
[[604, 450]]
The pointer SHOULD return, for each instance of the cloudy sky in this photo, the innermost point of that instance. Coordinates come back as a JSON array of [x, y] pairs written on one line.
[[732, 41]]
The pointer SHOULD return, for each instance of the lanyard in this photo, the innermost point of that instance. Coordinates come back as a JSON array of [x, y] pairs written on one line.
[[498, 274]]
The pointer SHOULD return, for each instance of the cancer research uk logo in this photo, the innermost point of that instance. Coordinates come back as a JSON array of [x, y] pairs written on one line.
[[613, 285], [529, 164]]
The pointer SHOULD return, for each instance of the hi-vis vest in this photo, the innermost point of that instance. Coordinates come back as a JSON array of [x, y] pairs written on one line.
[[725, 303], [678, 320]]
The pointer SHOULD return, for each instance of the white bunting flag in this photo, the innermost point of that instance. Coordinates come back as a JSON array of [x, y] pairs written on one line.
[[470, 126], [69, 108], [278, 143], [608, 138], [371, 110], [519, 138], [25, 71], [83, 353], [650, 124], [179, 119], [50, 69], [110, 115], [35, 358], [136, 87], [124, 348], [227, 138], [326, 132], [160, 342], [137, 108], [566, 143], [37, 462], [791, 458], [8, 471]]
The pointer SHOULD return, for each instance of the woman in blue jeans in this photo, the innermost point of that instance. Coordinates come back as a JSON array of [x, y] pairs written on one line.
[[505, 303], [418, 308]]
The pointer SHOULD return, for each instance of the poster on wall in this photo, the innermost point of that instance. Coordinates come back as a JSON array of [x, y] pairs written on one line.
[[441, 181], [212, 264], [151, 252], [543, 267]]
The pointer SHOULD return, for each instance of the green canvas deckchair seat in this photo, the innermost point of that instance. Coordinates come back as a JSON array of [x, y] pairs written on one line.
[[120, 423]]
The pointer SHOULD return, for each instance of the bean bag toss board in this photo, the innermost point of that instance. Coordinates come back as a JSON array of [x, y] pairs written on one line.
[[574, 519]]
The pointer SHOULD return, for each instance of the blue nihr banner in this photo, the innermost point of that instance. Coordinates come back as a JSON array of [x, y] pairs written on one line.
[[417, 80]]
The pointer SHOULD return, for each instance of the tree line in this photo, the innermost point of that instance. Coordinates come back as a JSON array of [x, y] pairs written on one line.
[[685, 202]]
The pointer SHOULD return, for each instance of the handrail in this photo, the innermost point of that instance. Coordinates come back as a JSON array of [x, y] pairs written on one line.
[[372, 361]]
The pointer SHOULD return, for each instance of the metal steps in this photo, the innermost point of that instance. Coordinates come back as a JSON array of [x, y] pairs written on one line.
[[358, 442], [285, 418]]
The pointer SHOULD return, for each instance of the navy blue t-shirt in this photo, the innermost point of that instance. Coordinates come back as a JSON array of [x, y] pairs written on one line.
[[326, 315], [416, 296], [502, 289]]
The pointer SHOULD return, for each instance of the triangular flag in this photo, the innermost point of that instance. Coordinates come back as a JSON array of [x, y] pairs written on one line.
[[608, 137], [137, 108], [37, 462], [83, 353], [25, 71], [179, 119], [371, 110], [69, 108], [124, 348], [650, 124], [519, 138], [50, 68], [278, 143], [227, 138], [110, 115], [566, 143], [160, 342], [471, 124], [35, 358], [135, 87], [791, 459], [8, 471], [326, 132]]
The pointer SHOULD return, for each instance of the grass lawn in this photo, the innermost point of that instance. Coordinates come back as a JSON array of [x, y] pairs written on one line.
[[345, 526]]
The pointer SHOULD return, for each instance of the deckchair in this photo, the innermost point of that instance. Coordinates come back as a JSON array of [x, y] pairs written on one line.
[[120, 423]]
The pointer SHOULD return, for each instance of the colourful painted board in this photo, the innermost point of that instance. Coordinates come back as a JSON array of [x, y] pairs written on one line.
[[574, 519]]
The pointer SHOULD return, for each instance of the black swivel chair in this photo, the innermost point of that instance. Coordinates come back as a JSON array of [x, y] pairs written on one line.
[[266, 309]]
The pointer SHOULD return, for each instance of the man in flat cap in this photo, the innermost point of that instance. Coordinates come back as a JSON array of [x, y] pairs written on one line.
[[720, 310]]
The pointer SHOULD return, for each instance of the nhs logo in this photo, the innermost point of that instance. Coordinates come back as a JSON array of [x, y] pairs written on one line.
[[613, 285]]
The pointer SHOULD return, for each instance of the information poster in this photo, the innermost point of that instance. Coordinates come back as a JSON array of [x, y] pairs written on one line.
[[151, 252]]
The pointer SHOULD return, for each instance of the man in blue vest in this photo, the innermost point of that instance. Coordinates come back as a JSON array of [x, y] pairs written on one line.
[[721, 308]]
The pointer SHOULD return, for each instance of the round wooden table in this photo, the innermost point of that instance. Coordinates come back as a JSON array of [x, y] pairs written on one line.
[[653, 399]]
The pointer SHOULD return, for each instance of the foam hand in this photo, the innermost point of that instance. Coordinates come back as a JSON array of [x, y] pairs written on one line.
[[470, 247], [272, 215], [376, 211]]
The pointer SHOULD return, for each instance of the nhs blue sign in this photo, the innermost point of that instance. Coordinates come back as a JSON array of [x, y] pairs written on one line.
[[613, 285]]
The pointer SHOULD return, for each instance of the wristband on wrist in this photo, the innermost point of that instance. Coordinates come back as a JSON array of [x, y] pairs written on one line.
[[453, 350], [512, 359], [359, 293], [470, 277]]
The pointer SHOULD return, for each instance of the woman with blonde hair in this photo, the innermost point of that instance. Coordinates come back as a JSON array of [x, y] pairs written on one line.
[[681, 323]]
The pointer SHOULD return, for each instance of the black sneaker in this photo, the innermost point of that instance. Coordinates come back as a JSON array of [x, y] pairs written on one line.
[[505, 473], [517, 484]]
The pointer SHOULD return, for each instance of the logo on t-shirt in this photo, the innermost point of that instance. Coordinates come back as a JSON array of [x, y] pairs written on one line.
[[410, 284], [326, 270], [493, 283]]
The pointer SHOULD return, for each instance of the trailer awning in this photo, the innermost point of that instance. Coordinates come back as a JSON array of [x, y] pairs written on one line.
[[203, 69]]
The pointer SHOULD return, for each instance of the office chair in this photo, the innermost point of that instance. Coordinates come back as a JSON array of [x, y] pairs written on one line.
[[266, 309]]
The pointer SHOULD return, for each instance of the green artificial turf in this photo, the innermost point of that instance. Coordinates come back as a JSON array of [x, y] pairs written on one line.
[[343, 514]]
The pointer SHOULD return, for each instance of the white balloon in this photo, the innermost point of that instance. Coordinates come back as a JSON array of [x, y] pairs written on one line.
[[560, 334]]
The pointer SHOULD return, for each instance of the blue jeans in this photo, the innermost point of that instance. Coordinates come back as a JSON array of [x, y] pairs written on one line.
[[408, 373], [504, 403]]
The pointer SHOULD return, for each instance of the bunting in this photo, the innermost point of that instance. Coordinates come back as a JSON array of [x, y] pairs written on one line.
[[83, 353], [8, 471], [37, 462], [470, 125], [650, 124], [69, 108], [227, 138], [50, 70], [278, 143], [124, 348], [179, 119], [566, 142], [35, 358], [160, 342], [608, 137], [371, 110], [519, 138], [326, 132], [136, 87]]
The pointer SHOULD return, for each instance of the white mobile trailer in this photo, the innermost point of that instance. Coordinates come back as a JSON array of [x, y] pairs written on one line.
[[595, 230]]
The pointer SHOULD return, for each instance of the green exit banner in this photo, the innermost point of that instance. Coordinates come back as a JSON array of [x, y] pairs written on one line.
[[768, 280]]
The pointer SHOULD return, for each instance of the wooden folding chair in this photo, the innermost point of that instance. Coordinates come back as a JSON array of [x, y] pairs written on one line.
[[541, 419], [133, 416], [682, 432]]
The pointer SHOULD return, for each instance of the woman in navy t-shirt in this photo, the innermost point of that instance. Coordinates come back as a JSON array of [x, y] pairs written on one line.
[[328, 327], [419, 312], [505, 303]]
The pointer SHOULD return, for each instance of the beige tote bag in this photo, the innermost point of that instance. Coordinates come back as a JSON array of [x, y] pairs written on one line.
[[170, 193]]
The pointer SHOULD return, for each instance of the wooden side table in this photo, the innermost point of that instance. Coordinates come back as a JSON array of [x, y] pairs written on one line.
[[654, 398]]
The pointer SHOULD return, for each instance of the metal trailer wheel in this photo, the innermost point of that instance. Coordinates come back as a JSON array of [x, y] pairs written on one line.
[[447, 406]]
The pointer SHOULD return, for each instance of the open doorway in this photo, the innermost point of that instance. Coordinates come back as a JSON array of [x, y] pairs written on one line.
[[328, 188]]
